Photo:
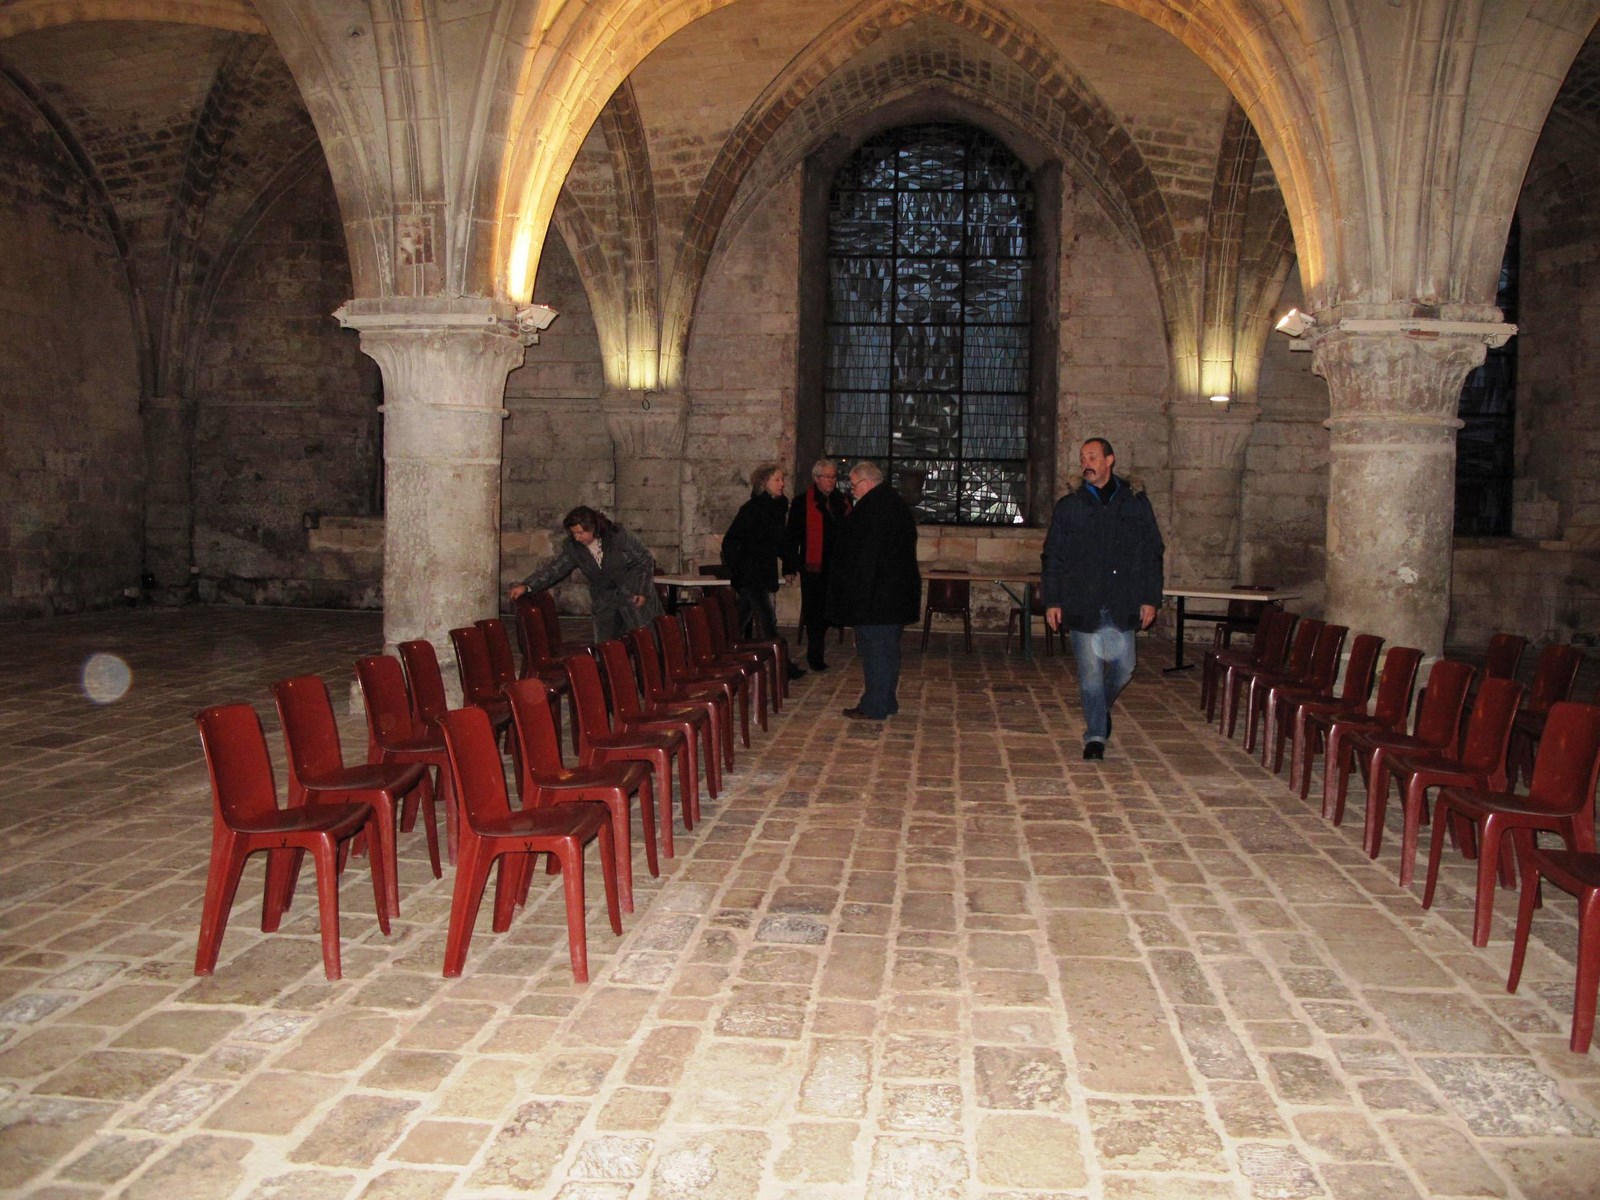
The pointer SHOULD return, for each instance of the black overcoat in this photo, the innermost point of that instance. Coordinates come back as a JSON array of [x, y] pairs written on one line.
[[874, 579]]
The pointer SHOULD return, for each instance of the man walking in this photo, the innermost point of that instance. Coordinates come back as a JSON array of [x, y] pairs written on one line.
[[1102, 578], [875, 586]]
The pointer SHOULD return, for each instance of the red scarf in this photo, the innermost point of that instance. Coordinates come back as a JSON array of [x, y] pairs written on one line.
[[815, 501]]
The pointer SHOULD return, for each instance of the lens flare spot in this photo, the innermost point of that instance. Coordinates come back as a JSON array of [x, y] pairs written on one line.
[[106, 678]]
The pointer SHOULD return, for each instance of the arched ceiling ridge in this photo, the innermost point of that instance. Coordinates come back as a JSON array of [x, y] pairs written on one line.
[[821, 71], [27, 16]]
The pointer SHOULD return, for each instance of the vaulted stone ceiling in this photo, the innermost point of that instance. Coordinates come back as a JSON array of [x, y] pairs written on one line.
[[184, 131]]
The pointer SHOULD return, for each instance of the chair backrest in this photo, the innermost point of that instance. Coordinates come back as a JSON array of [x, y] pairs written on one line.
[[1303, 647], [475, 765], [1489, 728], [1248, 610], [648, 657], [242, 786], [717, 636], [545, 602], [428, 702], [724, 599], [1501, 659], [670, 637], [501, 664], [1553, 677], [588, 696], [388, 704], [1439, 715], [1272, 639], [1324, 666], [1566, 766], [530, 632], [949, 595], [1395, 685], [537, 736], [310, 730], [619, 674], [1362, 666], [697, 628], [472, 665]]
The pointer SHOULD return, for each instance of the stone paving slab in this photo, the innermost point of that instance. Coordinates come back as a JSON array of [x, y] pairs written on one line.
[[937, 957]]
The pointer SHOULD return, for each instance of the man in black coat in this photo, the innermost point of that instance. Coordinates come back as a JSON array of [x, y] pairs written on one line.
[[1102, 578], [875, 587], [815, 518]]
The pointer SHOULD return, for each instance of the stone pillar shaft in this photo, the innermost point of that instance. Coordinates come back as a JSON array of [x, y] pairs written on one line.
[[1208, 452], [444, 388], [169, 496], [1391, 485], [647, 435]]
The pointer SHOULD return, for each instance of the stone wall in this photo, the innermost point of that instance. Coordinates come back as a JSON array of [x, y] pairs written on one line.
[[287, 426], [557, 453], [71, 457]]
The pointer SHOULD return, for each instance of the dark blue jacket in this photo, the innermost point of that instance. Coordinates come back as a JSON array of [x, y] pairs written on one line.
[[1103, 555]]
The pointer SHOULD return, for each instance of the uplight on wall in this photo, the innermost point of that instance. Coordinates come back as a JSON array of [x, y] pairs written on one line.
[[1221, 402]]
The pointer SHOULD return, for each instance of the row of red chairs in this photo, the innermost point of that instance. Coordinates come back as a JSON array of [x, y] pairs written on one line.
[[627, 742], [1474, 764]]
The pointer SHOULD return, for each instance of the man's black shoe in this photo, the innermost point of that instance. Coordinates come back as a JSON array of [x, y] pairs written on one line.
[[813, 665], [1094, 751], [855, 714], [795, 672]]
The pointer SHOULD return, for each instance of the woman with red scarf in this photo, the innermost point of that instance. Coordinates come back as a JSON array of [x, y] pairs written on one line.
[[812, 529]]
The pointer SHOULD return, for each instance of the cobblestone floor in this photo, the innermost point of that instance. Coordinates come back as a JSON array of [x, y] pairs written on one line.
[[942, 957]]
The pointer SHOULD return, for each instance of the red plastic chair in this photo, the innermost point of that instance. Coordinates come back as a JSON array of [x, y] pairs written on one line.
[[1267, 648], [711, 698], [1553, 677], [541, 661], [394, 736], [1579, 873], [600, 743], [773, 652], [1317, 674], [1295, 666], [317, 774], [1437, 728], [1560, 800], [1269, 653], [490, 831], [1285, 702], [678, 672], [560, 646], [1480, 765], [696, 720], [502, 665], [948, 598], [245, 818], [425, 682], [1503, 655], [479, 687], [544, 781], [1316, 725], [703, 656]]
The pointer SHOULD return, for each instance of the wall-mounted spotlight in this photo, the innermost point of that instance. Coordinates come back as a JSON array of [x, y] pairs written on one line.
[[536, 318], [1221, 402], [1295, 323]]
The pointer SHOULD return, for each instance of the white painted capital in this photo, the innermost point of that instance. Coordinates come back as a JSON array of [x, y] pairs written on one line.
[[646, 424]]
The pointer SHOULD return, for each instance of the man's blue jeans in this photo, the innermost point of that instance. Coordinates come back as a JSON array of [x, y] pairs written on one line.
[[1105, 664], [878, 648]]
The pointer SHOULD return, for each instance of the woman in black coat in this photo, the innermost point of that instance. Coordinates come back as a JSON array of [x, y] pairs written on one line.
[[620, 571], [751, 549]]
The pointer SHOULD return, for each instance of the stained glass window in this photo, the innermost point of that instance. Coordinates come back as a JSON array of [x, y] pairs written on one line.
[[928, 318]]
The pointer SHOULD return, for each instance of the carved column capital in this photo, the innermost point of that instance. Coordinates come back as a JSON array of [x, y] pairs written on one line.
[[646, 424], [1210, 438], [1392, 376]]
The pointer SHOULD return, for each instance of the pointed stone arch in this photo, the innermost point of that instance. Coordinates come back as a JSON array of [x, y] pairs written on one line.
[[26, 16]]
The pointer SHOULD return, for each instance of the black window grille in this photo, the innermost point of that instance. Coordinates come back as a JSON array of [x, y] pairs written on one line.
[[1485, 444], [929, 318]]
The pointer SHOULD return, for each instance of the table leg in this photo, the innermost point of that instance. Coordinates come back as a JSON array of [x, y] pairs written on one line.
[[1027, 622], [1177, 651]]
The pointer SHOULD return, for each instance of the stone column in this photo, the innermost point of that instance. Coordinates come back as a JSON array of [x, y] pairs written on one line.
[[1208, 449], [647, 435], [444, 375], [168, 423], [1393, 396]]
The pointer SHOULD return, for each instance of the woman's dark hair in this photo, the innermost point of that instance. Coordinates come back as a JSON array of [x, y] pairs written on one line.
[[588, 519], [759, 477]]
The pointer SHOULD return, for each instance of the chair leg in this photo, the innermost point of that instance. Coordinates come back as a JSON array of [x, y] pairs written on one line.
[[648, 790], [608, 876], [1489, 836], [966, 629], [1587, 989], [431, 827], [472, 872], [1527, 901], [1377, 802], [569, 851], [222, 883], [328, 899]]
